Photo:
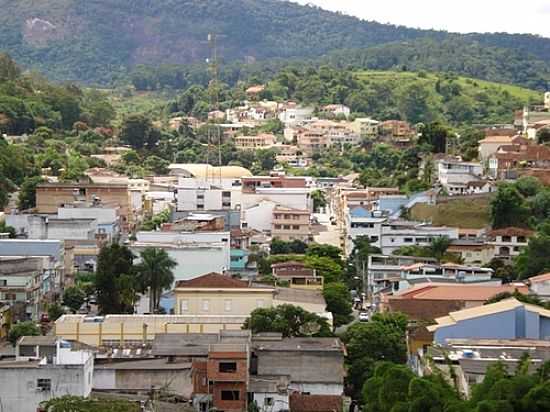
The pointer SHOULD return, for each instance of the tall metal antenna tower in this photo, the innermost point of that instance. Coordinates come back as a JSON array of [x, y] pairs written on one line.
[[214, 69]]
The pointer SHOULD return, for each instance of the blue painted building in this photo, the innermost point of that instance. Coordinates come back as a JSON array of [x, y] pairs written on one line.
[[239, 260], [507, 319]]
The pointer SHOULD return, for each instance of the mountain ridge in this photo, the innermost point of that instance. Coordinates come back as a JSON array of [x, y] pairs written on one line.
[[98, 40]]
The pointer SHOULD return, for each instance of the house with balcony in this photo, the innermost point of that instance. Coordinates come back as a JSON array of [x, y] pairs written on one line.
[[508, 242]]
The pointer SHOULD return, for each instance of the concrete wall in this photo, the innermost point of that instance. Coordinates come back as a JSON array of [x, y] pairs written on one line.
[[177, 381], [304, 367], [18, 386]]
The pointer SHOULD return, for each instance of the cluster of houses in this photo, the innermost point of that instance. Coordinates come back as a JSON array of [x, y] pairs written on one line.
[[306, 130], [215, 219]]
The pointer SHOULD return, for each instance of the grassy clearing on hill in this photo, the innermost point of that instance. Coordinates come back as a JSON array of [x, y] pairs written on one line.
[[471, 86], [468, 214]]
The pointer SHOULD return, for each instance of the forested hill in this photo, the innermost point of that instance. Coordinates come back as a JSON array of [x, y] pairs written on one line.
[[96, 40]]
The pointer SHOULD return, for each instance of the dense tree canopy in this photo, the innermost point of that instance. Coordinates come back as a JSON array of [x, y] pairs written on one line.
[[288, 320]]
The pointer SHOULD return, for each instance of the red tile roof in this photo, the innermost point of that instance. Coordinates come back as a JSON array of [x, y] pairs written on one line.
[[511, 231], [212, 280], [315, 403]]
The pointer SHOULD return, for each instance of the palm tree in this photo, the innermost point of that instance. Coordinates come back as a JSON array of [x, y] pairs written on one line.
[[155, 273]]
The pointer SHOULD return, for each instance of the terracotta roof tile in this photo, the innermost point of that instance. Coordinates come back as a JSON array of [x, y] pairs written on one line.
[[212, 280], [511, 231], [315, 403]]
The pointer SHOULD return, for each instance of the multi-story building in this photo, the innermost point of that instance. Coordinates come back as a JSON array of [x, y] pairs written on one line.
[[291, 224], [312, 141], [217, 295], [195, 253], [366, 127], [454, 174], [207, 197], [44, 368], [260, 141], [508, 242], [52, 196], [292, 114], [396, 129], [41, 265], [510, 158]]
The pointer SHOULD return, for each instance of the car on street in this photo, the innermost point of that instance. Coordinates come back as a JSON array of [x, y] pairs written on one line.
[[363, 317]]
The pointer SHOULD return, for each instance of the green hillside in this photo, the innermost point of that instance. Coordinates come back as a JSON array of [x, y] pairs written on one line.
[[98, 40]]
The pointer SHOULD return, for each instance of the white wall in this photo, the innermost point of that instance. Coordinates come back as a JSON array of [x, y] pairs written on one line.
[[292, 198], [259, 217], [18, 386], [102, 215], [280, 402], [196, 253], [318, 388]]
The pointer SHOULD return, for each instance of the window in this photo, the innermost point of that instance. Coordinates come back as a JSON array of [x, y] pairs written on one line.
[[506, 238], [200, 196], [3, 282], [286, 227], [226, 194], [227, 305], [227, 367], [278, 227], [184, 305], [205, 305], [44, 385], [295, 227], [268, 401], [522, 239], [231, 395], [226, 204], [408, 240], [200, 207]]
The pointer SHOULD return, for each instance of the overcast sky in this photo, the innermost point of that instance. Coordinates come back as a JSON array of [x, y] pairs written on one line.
[[527, 16]]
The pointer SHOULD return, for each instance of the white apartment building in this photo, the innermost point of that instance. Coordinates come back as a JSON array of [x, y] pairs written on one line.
[[390, 235], [195, 253]]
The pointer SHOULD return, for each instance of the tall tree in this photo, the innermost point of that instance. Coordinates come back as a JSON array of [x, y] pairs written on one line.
[[507, 208], [288, 320], [115, 280], [27, 194], [155, 272], [338, 300], [138, 131]]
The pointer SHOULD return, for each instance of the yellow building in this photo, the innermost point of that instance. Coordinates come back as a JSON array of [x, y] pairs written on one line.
[[207, 304], [218, 295]]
